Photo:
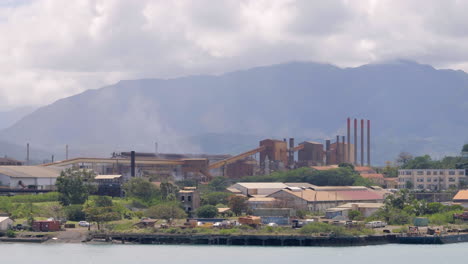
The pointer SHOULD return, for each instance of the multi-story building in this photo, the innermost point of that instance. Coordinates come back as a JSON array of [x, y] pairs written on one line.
[[430, 179], [190, 199]]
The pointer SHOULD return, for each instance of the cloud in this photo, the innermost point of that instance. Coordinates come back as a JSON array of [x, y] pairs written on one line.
[[52, 48]]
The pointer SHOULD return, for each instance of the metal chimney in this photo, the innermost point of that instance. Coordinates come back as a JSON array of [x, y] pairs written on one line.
[[66, 152], [355, 142], [348, 135], [368, 143], [27, 153], [362, 142], [343, 151], [337, 150], [132, 164], [291, 151]]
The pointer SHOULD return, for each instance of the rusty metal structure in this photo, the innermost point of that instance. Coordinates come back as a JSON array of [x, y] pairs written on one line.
[[271, 155]]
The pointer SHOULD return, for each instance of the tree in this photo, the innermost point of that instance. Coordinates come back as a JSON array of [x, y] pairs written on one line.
[[355, 215], [465, 148], [346, 165], [214, 198], [168, 191], [74, 186], [166, 211], [409, 185], [238, 204], [403, 158], [141, 188], [207, 211], [218, 184], [103, 201], [101, 215], [101, 210]]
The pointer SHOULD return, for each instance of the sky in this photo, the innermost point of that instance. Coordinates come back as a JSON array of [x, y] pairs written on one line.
[[51, 49]]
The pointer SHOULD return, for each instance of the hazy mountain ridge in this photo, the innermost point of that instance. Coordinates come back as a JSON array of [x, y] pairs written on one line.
[[413, 108]]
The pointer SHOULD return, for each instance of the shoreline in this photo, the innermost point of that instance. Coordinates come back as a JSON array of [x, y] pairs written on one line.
[[245, 240]]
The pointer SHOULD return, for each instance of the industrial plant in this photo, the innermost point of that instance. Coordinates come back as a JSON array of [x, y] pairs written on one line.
[[271, 155]]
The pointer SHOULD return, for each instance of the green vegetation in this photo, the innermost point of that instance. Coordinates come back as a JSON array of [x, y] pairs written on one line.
[[215, 198], [238, 204], [74, 186], [167, 211], [402, 208], [341, 176], [207, 211], [143, 190], [101, 210], [318, 228]]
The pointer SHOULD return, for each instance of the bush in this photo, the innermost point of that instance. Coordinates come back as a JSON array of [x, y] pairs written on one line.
[[10, 233], [32, 198], [207, 211], [75, 212]]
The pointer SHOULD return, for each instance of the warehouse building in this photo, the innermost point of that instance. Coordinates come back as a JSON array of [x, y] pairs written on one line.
[[28, 177]]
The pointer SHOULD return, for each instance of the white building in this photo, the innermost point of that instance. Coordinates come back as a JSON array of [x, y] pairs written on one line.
[[5, 223], [430, 179], [22, 177]]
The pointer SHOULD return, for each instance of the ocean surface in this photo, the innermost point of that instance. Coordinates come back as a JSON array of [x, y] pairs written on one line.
[[103, 254]]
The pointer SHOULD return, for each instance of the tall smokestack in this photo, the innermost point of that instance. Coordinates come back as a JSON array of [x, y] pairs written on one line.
[[343, 151], [368, 143], [66, 151], [337, 150], [355, 142], [291, 151], [132, 163], [156, 148], [327, 152], [52, 159], [27, 153], [348, 136], [362, 142]]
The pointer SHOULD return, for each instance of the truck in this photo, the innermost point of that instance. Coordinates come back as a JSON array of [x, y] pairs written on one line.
[[253, 221]]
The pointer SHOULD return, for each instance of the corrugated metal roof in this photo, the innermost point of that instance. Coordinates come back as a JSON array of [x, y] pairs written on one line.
[[261, 185], [461, 195], [361, 205], [30, 171], [3, 218], [107, 177], [372, 175], [262, 199], [322, 196], [300, 184], [322, 168]]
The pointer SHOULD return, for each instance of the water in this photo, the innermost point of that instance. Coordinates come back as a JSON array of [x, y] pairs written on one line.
[[115, 254]]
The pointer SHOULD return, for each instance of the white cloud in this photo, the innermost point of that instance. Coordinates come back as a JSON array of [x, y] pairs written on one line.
[[53, 48]]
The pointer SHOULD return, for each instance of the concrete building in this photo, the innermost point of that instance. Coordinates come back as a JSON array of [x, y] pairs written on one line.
[[366, 209], [256, 188], [5, 223], [430, 179], [461, 198], [189, 197], [319, 199], [32, 177]]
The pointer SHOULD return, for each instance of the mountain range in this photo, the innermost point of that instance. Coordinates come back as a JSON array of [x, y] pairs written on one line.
[[413, 107]]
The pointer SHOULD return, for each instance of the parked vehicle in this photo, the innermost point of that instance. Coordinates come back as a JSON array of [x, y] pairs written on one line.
[[376, 224], [84, 224]]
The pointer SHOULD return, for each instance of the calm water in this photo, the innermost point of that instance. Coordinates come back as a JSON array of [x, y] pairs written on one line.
[[102, 254]]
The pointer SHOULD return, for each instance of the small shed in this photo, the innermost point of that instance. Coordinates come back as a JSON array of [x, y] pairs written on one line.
[[5, 223], [46, 226]]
